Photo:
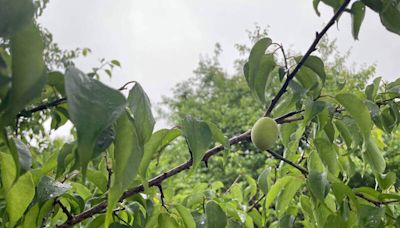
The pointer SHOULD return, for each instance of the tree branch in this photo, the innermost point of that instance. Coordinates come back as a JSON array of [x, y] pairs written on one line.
[[310, 50], [157, 180], [280, 157]]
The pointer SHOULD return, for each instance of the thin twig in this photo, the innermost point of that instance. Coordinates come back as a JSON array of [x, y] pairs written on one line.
[[255, 204], [280, 157], [64, 209], [310, 50]]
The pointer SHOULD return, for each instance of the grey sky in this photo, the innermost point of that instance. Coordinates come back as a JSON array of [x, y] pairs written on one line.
[[159, 42]]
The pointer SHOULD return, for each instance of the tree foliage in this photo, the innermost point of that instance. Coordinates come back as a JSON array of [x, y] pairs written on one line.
[[334, 164]]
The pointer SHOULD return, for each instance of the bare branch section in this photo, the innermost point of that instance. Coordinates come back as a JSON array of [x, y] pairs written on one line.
[[310, 50]]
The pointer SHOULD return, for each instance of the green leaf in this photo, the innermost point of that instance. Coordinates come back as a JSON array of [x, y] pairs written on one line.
[[19, 197], [48, 188], [157, 142], [266, 65], [315, 5], [262, 181], [8, 171], [167, 221], [14, 15], [64, 157], [259, 67], [318, 185], [128, 152], [198, 136], [116, 62], [328, 155], [373, 4], [372, 89], [312, 109], [358, 110], [216, 217], [92, 107], [357, 17], [286, 221], [28, 71], [140, 106], [386, 180], [186, 216], [315, 64], [277, 188], [390, 15], [218, 135], [56, 80], [374, 157], [31, 217], [24, 155], [287, 194], [369, 216], [98, 179], [344, 132], [103, 141]]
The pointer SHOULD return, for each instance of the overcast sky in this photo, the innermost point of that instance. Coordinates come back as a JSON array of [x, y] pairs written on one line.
[[159, 42]]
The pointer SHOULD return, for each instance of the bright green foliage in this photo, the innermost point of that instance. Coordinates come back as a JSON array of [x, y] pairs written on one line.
[[334, 164]]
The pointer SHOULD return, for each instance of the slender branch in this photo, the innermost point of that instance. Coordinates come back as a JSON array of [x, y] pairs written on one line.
[[255, 204], [310, 50], [28, 113], [376, 202], [280, 157], [64, 209]]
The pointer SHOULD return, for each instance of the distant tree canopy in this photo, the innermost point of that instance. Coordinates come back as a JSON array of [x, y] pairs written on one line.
[[335, 163]]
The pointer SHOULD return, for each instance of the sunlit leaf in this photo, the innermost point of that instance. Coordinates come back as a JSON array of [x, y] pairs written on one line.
[[374, 157], [19, 197], [186, 216]]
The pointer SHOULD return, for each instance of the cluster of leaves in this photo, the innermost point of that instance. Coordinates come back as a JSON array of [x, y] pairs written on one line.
[[327, 136]]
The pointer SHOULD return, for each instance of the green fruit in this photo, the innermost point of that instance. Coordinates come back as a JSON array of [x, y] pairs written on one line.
[[264, 133]]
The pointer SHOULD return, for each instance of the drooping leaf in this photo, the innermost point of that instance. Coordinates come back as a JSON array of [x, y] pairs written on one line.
[[8, 171], [374, 157], [198, 137], [373, 4], [92, 107], [277, 188], [28, 71], [358, 110], [140, 106], [312, 109], [218, 135], [318, 185], [344, 132], [259, 67], [128, 152], [186, 216], [63, 159], [103, 141], [390, 15], [357, 17], [287, 194], [24, 155], [14, 15], [19, 197], [31, 217], [157, 141], [262, 181], [315, 5], [216, 217], [48, 188], [328, 155], [372, 89], [287, 221]]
